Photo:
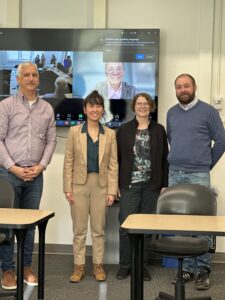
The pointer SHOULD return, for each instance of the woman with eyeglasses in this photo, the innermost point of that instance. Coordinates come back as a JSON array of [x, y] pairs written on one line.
[[143, 172]]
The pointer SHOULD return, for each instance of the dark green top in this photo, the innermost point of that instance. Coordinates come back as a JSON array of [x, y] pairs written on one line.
[[92, 150]]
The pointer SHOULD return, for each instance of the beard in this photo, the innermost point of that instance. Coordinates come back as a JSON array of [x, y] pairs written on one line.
[[186, 98]]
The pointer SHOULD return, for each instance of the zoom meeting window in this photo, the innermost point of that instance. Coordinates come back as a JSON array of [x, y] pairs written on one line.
[[72, 63]]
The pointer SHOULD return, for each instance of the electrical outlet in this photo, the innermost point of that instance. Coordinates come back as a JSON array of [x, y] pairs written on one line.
[[217, 102]]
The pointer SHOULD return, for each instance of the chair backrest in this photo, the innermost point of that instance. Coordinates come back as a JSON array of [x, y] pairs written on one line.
[[6, 193], [187, 199], [6, 201]]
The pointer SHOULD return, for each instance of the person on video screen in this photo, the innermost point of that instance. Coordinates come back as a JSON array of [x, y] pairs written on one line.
[[43, 59], [67, 63], [61, 88], [114, 87], [53, 60], [37, 60]]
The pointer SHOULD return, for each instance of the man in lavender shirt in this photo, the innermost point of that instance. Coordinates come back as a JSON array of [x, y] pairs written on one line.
[[27, 143]]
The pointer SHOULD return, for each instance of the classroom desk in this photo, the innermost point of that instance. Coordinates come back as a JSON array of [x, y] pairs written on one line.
[[20, 220], [139, 224]]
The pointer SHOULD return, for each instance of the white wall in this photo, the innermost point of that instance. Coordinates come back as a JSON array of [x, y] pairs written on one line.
[[185, 43], [57, 14], [218, 90], [9, 13], [3, 12], [191, 41]]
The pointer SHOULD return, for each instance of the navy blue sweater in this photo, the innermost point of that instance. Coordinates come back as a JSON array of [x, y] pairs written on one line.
[[190, 134]]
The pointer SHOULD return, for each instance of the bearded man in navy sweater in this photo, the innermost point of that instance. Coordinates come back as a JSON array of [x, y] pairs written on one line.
[[197, 141]]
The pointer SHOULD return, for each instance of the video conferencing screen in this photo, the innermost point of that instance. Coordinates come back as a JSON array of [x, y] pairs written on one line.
[[119, 63]]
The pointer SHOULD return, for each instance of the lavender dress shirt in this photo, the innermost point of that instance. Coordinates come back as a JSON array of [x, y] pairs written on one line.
[[27, 135]]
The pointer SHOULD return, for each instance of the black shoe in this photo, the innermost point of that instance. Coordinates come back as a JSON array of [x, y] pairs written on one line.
[[186, 277], [122, 273], [202, 282], [146, 275]]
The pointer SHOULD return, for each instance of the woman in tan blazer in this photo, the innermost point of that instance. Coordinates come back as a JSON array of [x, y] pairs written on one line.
[[90, 182]]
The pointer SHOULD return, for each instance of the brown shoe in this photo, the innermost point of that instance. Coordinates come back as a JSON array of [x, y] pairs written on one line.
[[9, 280], [29, 277], [78, 273], [99, 272]]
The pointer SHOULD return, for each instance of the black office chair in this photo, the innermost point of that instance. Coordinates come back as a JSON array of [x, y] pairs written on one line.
[[7, 193], [183, 199], [6, 201], [2, 237]]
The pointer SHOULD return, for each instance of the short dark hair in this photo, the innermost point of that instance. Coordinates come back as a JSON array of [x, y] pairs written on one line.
[[185, 75], [149, 99], [94, 98]]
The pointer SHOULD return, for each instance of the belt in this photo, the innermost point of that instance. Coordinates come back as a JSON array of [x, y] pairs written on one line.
[[23, 166]]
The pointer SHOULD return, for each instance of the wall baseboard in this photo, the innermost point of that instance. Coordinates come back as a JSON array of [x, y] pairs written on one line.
[[218, 257]]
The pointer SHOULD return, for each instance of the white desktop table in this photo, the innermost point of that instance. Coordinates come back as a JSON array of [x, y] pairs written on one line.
[[139, 224], [20, 220]]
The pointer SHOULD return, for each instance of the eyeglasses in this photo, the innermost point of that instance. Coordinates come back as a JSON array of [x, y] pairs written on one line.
[[139, 104], [113, 71]]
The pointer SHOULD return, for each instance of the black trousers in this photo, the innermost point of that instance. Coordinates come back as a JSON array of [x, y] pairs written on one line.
[[139, 198]]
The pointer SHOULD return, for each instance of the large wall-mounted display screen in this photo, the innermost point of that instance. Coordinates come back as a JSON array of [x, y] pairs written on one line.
[[118, 63]]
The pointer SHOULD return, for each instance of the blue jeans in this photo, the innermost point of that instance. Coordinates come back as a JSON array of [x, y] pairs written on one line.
[[203, 262], [27, 195], [139, 198]]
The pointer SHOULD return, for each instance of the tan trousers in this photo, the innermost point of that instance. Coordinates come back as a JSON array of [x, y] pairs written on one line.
[[89, 199]]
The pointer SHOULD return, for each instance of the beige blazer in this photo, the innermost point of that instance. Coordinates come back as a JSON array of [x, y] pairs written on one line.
[[75, 161]]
